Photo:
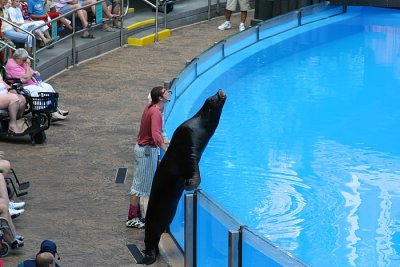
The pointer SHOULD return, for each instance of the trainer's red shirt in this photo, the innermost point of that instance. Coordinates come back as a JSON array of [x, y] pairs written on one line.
[[150, 132]]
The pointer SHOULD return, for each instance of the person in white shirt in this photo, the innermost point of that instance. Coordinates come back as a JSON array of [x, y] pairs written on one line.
[[15, 15]]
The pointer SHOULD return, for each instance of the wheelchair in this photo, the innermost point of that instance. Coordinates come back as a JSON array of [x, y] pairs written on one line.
[[37, 115], [4, 245]]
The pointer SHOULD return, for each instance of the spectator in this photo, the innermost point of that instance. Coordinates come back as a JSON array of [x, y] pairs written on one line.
[[19, 67], [45, 259], [230, 7], [15, 15], [12, 34], [47, 247], [37, 10], [64, 6], [113, 7], [15, 208], [149, 141], [14, 103], [10, 235], [106, 11]]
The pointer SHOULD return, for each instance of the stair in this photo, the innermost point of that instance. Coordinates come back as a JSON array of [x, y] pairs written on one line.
[[147, 37]]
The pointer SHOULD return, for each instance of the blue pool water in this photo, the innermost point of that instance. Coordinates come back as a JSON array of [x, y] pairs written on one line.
[[307, 149]]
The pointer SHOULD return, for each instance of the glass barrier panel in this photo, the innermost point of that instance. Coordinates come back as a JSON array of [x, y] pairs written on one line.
[[185, 78], [210, 57], [258, 251], [318, 12], [278, 24], [240, 40], [213, 225], [177, 227]]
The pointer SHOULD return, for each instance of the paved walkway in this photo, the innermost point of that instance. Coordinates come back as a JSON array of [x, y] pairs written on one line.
[[73, 198]]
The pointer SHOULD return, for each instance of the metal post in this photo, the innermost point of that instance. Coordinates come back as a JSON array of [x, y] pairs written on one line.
[[165, 14], [233, 248], [209, 10], [299, 17], [218, 8], [156, 30], [167, 84], [74, 57], [190, 231]]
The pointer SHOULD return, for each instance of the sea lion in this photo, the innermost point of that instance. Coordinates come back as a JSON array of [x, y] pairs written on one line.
[[179, 170]]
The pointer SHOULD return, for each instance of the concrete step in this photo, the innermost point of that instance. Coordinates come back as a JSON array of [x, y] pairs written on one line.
[[146, 37]]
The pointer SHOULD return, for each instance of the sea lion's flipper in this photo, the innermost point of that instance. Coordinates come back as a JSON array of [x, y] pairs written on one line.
[[193, 182], [150, 257]]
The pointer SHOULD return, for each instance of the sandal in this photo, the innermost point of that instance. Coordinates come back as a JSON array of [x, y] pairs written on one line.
[[12, 133]]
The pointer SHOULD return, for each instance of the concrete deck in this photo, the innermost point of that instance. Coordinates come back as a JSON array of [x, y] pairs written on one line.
[[73, 198]]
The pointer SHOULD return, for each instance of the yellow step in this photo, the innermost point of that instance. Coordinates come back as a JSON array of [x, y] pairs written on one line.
[[141, 23], [149, 39]]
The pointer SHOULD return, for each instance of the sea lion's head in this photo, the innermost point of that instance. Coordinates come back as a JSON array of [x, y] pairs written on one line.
[[212, 109]]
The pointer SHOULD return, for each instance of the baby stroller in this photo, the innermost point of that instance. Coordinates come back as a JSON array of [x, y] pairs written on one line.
[[37, 115]]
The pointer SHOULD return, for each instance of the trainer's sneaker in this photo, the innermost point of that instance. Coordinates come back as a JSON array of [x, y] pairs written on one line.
[[15, 213], [242, 27], [225, 26], [136, 223], [16, 205], [130, 223]]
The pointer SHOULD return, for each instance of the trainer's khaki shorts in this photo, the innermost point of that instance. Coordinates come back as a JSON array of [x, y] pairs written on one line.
[[244, 5]]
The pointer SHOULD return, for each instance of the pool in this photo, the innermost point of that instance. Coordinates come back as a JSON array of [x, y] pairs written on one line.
[[307, 148]]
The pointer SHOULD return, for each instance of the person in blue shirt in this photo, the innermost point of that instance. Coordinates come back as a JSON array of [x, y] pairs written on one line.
[[38, 11]]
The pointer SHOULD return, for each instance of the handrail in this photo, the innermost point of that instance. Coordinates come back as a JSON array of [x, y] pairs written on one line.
[[155, 6], [33, 57]]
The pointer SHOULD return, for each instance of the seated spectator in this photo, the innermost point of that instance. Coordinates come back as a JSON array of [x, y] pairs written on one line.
[[14, 103], [4, 39], [106, 11], [9, 32], [15, 208], [45, 259], [37, 10], [48, 252], [19, 67], [10, 235], [15, 15], [114, 7], [64, 6]]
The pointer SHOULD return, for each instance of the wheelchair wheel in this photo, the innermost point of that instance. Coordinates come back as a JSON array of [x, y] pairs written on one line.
[[40, 137], [4, 249]]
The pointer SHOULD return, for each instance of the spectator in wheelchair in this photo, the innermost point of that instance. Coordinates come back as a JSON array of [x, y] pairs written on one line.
[[19, 66], [15, 208], [14, 103]]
